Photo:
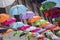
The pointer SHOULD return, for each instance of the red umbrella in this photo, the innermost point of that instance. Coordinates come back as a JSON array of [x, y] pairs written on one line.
[[53, 12]]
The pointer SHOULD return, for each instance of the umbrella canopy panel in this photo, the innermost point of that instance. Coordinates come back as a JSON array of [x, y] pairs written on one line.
[[4, 3], [18, 9]]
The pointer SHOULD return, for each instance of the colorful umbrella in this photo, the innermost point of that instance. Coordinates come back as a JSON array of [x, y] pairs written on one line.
[[57, 19], [47, 5], [28, 34], [27, 15], [39, 22], [4, 3], [23, 16], [53, 12], [56, 1], [8, 31], [17, 33], [30, 14], [16, 25], [33, 19], [4, 17], [18, 9], [58, 33], [9, 21]]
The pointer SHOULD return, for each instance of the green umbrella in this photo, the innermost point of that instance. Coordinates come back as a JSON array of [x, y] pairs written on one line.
[[48, 39], [17, 33], [47, 5], [43, 21], [58, 32], [57, 19], [39, 22], [28, 34]]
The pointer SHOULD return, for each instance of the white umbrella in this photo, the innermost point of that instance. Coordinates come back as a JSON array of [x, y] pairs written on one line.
[[4, 3]]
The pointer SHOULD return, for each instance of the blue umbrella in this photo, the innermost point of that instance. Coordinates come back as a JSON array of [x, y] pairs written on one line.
[[18, 9], [16, 25]]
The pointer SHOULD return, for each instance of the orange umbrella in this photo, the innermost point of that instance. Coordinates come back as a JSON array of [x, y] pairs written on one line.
[[4, 17], [37, 18], [8, 31], [45, 24], [33, 19]]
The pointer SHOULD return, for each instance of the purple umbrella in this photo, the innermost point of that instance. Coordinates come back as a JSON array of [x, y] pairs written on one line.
[[30, 14]]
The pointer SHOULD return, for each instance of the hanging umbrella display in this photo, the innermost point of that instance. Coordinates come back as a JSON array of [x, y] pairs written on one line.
[[4, 3], [53, 12], [27, 15], [27, 30], [18, 9], [47, 5]]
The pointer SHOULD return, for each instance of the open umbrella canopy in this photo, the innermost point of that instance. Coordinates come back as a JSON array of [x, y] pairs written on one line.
[[17, 33], [47, 5], [9, 21], [18, 9], [4, 17], [57, 19], [56, 1], [4, 3], [53, 12], [16, 25], [58, 32], [27, 15]]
